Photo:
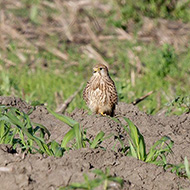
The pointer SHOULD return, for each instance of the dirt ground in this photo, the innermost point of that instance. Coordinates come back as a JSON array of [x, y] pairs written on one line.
[[38, 172]]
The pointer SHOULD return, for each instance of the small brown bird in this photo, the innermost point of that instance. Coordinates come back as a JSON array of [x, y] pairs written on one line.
[[100, 93]]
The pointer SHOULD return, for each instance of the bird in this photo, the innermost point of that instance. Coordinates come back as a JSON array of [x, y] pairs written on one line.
[[100, 93]]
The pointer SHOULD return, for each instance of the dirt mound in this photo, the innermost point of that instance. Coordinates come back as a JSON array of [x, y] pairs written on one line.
[[18, 171]]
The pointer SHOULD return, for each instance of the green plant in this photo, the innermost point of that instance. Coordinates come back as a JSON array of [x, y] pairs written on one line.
[[137, 147], [157, 154], [178, 105], [17, 129], [102, 179], [74, 132], [136, 10], [168, 62], [182, 169], [159, 151], [78, 134], [187, 167]]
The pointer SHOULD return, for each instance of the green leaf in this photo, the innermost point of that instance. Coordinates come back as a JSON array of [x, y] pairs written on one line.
[[132, 152], [42, 127], [57, 149], [137, 144], [142, 148], [69, 136], [78, 136], [97, 139], [17, 123], [151, 155], [117, 180], [156, 151], [186, 163], [63, 118], [99, 172], [133, 132], [33, 13], [5, 129], [13, 119]]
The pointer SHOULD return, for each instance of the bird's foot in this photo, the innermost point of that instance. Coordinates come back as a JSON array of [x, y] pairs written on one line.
[[102, 113]]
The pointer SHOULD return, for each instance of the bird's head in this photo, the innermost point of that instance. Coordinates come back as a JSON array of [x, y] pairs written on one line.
[[100, 70]]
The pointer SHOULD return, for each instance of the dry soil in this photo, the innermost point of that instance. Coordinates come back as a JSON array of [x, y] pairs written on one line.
[[29, 172]]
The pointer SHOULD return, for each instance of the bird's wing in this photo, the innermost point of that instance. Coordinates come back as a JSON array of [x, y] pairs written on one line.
[[113, 95], [85, 92]]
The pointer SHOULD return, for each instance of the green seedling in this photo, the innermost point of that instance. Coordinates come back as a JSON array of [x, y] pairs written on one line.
[[16, 129], [97, 140], [136, 141], [182, 169], [15, 123], [187, 167], [77, 133], [64, 118], [158, 151], [103, 179], [137, 147], [179, 104]]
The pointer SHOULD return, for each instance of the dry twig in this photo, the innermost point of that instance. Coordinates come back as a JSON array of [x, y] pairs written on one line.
[[92, 35], [91, 52], [124, 34], [52, 50], [141, 98], [65, 105], [5, 169], [135, 61]]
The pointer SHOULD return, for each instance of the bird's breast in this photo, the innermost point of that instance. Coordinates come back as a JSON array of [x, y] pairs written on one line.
[[96, 93], [97, 96]]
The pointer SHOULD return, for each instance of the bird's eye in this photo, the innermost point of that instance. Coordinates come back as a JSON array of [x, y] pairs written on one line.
[[101, 68]]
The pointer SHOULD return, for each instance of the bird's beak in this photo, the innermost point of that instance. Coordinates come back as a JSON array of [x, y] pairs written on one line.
[[96, 70]]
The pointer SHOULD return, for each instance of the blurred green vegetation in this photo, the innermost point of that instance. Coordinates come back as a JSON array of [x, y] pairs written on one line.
[[43, 77], [136, 10]]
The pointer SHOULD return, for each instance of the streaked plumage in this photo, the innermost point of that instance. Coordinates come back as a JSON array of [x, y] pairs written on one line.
[[100, 93]]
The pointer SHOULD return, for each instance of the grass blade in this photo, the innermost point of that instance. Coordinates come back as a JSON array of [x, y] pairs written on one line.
[[154, 152], [186, 163], [97, 139], [137, 144], [69, 136], [64, 118], [78, 136], [56, 149]]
